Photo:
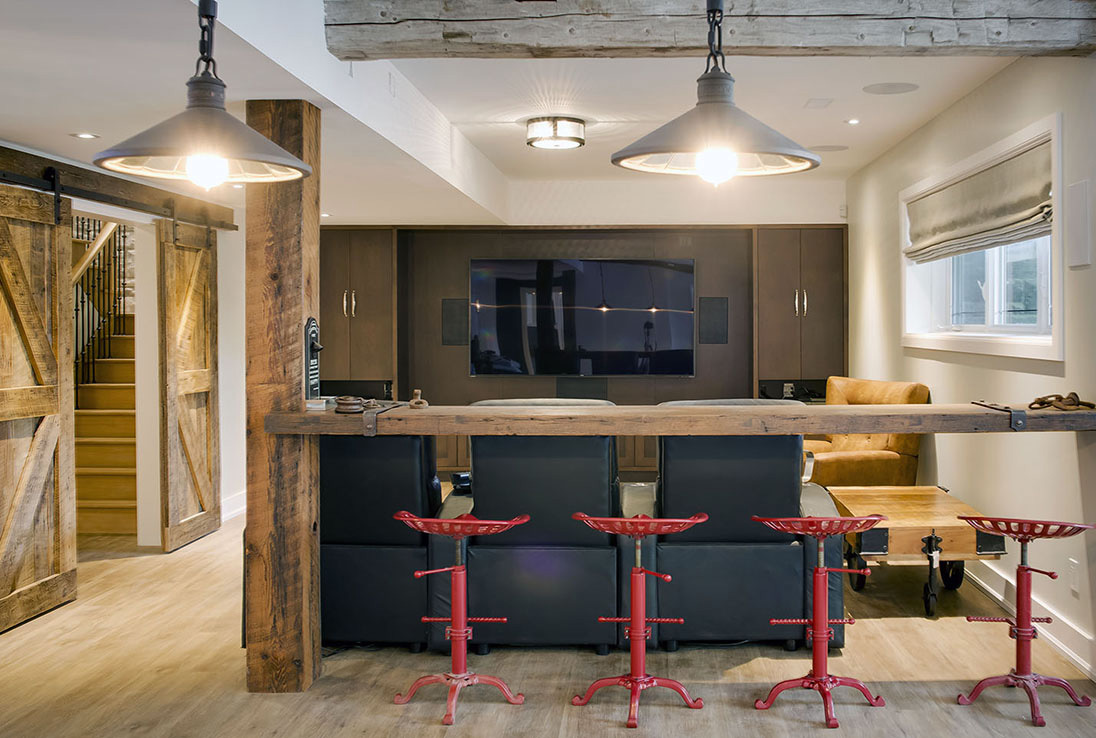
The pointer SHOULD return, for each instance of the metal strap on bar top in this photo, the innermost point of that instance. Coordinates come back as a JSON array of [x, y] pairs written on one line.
[[1017, 419]]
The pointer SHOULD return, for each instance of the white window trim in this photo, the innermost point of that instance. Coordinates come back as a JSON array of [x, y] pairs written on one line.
[[1046, 347]]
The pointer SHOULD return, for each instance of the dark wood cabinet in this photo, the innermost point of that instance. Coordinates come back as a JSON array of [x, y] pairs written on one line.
[[357, 304], [822, 276], [801, 303]]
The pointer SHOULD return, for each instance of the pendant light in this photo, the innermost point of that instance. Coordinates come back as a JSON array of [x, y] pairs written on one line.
[[205, 143], [716, 140]]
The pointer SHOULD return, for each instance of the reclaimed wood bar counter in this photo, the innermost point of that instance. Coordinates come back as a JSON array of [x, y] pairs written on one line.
[[282, 549], [653, 420]]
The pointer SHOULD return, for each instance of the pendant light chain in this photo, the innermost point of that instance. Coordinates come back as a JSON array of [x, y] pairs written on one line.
[[207, 19], [716, 60]]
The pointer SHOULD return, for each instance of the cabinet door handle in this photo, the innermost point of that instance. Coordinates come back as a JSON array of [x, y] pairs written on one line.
[[353, 303], [345, 293], [797, 302], [804, 302]]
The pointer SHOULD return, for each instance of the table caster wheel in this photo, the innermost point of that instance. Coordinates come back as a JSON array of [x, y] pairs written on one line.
[[930, 601], [951, 572]]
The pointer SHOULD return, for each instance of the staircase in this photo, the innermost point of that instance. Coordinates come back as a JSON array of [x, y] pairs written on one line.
[[106, 439]]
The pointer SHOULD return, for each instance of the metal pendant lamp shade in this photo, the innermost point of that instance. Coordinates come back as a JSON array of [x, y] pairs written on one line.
[[204, 143], [716, 124], [716, 140], [204, 129]]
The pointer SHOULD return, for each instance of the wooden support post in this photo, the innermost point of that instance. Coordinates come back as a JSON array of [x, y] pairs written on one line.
[[281, 543]]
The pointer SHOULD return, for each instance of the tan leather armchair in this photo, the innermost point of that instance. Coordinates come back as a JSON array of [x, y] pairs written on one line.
[[873, 459]]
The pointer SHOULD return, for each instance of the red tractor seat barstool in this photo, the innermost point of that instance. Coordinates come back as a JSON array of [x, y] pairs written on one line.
[[637, 630], [1022, 630], [458, 631], [820, 632]]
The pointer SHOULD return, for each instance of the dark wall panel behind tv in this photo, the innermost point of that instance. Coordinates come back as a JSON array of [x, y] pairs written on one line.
[[438, 269]]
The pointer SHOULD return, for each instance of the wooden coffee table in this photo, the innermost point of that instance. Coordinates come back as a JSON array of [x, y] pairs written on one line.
[[922, 525]]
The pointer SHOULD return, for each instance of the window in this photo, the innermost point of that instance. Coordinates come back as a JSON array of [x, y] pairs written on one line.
[[982, 256], [1003, 290]]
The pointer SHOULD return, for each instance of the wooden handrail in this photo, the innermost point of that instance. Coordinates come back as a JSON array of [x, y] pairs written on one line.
[[93, 250]]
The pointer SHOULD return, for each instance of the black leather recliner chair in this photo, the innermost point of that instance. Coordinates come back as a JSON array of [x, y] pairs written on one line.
[[732, 574], [553, 576], [367, 591]]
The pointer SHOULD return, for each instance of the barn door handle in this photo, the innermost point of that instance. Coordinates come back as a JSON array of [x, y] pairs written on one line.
[[797, 302], [345, 293], [353, 303], [804, 302]]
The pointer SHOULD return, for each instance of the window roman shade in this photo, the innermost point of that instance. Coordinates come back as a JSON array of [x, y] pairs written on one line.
[[1005, 203]]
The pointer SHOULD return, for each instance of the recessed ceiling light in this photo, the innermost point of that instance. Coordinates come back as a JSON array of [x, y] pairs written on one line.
[[816, 103], [555, 132], [84, 135], [891, 88], [853, 121], [237, 186], [826, 148], [325, 215]]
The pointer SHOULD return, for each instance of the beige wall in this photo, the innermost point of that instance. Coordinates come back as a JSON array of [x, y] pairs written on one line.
[[1039, 475]]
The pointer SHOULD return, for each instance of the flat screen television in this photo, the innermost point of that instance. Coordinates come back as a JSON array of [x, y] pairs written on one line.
[[581, 317]]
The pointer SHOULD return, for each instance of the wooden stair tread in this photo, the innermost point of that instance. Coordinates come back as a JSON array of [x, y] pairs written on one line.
[[106, 471], [107, 504], [116, 360], [109, 385], [104, 440], [106, 411]]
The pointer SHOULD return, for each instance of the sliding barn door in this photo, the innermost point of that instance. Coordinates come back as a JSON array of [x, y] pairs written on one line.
[[190, 454], [37, 472]]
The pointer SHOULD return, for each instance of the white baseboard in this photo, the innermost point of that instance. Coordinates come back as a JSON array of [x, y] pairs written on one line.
[[1068, 638], [233, 505]]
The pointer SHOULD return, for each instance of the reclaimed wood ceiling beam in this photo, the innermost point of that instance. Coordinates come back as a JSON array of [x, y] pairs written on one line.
[[398, 29]]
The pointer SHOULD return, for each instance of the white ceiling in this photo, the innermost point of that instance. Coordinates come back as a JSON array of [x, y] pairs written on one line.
[[489, 99], [115, 67]]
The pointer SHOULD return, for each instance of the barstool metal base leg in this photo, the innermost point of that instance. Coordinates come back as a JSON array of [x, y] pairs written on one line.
[[636, 685], [824, 687], [456, 683], [1030, 684]]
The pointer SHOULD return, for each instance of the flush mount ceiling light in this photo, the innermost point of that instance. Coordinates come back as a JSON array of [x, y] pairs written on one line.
[[555, 132], [204, 143], [716, 140], [85, 136]]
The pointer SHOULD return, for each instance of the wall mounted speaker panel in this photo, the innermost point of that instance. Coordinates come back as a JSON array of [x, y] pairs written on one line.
[[712, 319], [454, 322], [1078, 225]]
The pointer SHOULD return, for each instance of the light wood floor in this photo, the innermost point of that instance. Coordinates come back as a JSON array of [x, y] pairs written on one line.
[[152, 648]]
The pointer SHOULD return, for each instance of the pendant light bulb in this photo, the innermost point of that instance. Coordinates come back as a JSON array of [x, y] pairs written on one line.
[[206, 170], [716, 165]]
